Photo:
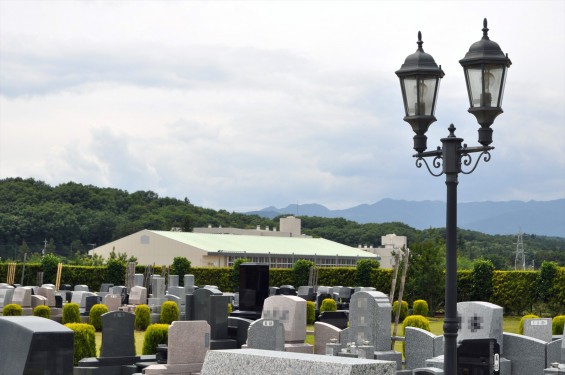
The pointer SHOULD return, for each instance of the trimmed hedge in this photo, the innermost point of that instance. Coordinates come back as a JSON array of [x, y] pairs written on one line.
[[403, 310], [557, 325], [95, 316], [521, 325], [420, 307], [156, 334], [142, 317], [337, 276], [42, 311], [328, 304], [169, 312], [514, 291], [464, 285], [71, 313], [84, 342], [310, 312], [12, 309], [281, 276]]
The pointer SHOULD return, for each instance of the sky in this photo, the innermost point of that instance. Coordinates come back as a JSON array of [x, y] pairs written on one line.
[[240, 105]]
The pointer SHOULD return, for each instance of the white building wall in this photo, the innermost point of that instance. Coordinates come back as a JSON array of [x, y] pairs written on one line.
[[150, 248]]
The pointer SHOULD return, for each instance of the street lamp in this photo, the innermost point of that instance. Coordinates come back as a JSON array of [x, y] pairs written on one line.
[[485, 67]]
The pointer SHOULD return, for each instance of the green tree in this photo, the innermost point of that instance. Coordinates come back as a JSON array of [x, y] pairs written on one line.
[[187, 225], [365, 268], [301, 272], [481, 289], [181, 266], [116, 268], [426, 267], [235, 273], [49, 264]]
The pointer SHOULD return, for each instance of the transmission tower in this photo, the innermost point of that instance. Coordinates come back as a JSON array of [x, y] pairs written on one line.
[[520, 261]]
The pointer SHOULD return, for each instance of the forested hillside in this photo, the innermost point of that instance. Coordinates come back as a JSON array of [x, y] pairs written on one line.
[[73, 218]]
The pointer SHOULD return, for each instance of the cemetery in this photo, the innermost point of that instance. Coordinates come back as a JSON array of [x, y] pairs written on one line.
[[198, 329]]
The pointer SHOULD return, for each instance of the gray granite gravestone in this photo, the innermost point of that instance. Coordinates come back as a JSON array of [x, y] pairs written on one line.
[[306, 292], [257, 362], [527, 355], [421, 345], [173, 280], [189, 283], [49, 294], [6, 295], [138, 295], [158, 287], [105, 287], [266, 334], [42, 346], [117, 334], [291, 312], [22, 296], [480, 320], [539, 328], [81, 288], [324, 333], [138, 279]]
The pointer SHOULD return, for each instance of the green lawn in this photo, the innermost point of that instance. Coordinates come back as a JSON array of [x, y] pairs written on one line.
[[510, 325]]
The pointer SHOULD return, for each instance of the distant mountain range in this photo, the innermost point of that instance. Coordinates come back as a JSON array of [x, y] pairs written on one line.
[[533, 217]]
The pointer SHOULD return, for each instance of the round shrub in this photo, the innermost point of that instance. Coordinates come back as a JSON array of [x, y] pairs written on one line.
[[84, 342], [557, 325], [403, 310], [12, 310], [310, 312], [95, 318], [420, 307], [42, 311], [71, 313], [417, 321], [230, 308], [156, 334], [169, 312], [328, 304], [521, 326], [142, 317]]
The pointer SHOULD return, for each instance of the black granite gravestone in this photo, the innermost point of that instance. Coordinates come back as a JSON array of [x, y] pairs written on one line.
[[287, 290], [253, 289], [117, 334], [89, 302], [478, 357], [38, 346], [337, 319]]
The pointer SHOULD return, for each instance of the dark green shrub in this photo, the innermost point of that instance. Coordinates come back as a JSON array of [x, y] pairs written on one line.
[[71, 313], [420, 307], [301, 272], [417, 321], [310, 312], [12, 310], [85, 344], [364, 272], [95, 318], [154, 335], [181, 266], [514, 291], [116, 271], [142, 317], [482, 280], [42, 311], [403, 310], [169, 312], [557, 325], [328, 304], [49, 265], [235, 273], [521, 325]]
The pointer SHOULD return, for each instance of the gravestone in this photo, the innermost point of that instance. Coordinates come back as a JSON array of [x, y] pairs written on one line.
[[421, 345], [480, 320], [253, 289], [89, 302], [84, 296], [173, 280], [37, 300], [138, 295], [527, 354], [113, 301], [266, 334], [337, 318], [291, 312], [188, 343], [138, 279], [22, 296], [6, 295], [105, 287], [287, 290], [158, 287], [324, 333], [81, 288], [539, 328], [237, 329], [117, 334], [306, 292], [478, 356], [229, 362], [49, 294], [189, 283], [42, 346]]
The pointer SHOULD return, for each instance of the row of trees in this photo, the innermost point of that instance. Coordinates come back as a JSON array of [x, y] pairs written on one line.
[[69, 219]]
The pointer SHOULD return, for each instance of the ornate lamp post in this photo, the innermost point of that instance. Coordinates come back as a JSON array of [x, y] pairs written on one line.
[[485, 67]]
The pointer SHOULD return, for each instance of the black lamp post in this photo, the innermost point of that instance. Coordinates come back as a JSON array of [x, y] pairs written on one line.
[[485, 68]]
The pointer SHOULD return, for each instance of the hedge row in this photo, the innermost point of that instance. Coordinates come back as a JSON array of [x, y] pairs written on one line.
[[515, 291]]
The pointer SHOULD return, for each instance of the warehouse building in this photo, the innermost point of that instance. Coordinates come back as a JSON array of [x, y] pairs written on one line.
[[220, 247]]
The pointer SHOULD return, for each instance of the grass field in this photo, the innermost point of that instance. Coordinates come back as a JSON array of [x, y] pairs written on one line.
[[510, 325]]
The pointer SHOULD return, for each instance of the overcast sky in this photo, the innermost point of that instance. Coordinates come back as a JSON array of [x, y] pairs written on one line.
[[242, 105]]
